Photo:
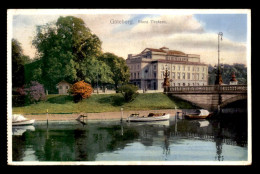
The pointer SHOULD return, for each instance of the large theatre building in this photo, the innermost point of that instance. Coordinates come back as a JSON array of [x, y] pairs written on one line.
[[148, 67]]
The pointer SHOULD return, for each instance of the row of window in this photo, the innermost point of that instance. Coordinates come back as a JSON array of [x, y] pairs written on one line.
[[183, 76], [187, 84], [134, 75], [184, 68], [176, 58], [135, 67], [174, 68], [189, 76]]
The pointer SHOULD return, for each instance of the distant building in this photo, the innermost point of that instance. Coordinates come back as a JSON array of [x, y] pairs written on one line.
[[147, 68], [63, 87], [233, 80]]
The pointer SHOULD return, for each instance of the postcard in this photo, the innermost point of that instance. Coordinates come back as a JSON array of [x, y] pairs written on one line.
[[129, 87]]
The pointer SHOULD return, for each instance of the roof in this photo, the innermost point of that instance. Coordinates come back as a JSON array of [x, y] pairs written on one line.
[[154, 49], [178, 62], [164, 48], [63, 81], [169, 52], [172, 52]]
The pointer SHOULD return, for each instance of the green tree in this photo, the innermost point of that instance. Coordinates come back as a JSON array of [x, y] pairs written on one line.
[[129, 91], [118, 67], [240, 71], [67, 49], [33, 71], [18, 62]]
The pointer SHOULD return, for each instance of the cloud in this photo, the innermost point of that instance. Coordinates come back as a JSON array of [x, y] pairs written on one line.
[[180, 32], [183, 33], [167, 25]]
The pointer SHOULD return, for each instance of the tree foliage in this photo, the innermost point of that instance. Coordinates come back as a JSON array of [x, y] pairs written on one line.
[[18, 61], [240, 71], [80, 90], [129, 92], [67, 49], [120, 71], [34, 92]]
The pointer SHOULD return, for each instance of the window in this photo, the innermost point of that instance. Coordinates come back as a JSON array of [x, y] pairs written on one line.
[[188, 84], [183, 84], [67, 87], [173, 75], [138, 75], [183, 75], [193, 76], [154, 67], [193, 68], [134, 75], [179, 84], [188, 75], [137, 66], [198, 68], [202, 77], [131, 75], [179, 75], [154, 75], [188, 68], [179, 67], [183, 68], [197, 76], [173, 67]]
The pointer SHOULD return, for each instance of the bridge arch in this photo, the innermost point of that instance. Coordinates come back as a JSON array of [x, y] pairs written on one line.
[[233, 99]]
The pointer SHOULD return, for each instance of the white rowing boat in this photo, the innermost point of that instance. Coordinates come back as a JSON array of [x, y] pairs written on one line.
[[20, 120], [198, 114], [149, 118]]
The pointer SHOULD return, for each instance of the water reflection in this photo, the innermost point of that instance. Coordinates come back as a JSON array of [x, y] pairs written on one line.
[[19, 130], [111, 140]]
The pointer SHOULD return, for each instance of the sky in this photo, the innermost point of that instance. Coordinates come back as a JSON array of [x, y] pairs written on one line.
[[192, 32]]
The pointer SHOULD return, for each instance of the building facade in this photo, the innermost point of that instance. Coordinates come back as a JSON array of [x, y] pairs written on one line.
[[148, 67], [63, 87]]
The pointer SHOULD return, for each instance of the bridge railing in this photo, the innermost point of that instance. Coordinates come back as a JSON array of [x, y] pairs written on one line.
[[208, 88]]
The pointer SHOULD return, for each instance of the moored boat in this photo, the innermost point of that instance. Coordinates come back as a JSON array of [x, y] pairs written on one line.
[[198, 114], [150, 117], [20, 120]]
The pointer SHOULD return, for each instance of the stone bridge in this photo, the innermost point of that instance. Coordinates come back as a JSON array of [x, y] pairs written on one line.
[[209, 97]]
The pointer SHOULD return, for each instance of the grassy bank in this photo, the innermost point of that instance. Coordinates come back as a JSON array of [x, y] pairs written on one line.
[[102, 103]]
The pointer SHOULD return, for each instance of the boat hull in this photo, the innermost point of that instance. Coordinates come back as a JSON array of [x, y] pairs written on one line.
[[23, 123], [149, 119], [195, 116]]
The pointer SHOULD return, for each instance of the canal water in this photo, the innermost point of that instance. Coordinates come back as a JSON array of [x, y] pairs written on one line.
[[110, 140]]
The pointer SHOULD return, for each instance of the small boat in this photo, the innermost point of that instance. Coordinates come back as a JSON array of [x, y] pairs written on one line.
[[149, 118], [20, 120], [199, 114]]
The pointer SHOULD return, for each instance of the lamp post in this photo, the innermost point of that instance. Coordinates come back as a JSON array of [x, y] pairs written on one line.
[[218, 80], [97, 82], [166, 82], [218, 76]]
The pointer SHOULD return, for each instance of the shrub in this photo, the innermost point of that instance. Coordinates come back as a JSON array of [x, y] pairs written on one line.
[[18, 100], [33, 92], [80, 90], [129, 92]]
